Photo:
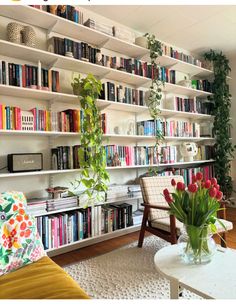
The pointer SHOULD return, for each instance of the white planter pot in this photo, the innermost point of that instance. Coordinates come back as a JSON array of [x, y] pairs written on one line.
[[142, 42]]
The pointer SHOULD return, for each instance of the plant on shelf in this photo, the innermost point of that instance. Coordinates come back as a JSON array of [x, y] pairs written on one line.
[[221, 129], [196, 207], [155, 92], [92, 157]]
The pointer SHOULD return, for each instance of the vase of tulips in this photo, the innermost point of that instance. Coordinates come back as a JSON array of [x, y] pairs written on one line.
[[196, 206]]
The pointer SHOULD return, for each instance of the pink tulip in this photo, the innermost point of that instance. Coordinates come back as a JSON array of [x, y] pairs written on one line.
[[180, 186], [212, 192], [213, 181], [199, 176], [194, 179], [192, 188], [166, 192], [173, 182], [219, 195], [168, 199], [208, 184]]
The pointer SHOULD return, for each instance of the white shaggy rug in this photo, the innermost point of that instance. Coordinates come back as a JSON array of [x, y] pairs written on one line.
[[125, 273]]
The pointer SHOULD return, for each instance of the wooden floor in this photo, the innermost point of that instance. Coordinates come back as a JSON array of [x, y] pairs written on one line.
[[112, 244]]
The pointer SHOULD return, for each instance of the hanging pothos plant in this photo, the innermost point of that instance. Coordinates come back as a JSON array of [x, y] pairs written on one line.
[[92, 157], [221, 129], [155, 92]]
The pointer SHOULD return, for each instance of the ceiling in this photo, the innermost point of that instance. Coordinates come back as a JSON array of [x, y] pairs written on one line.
[[192, 27]]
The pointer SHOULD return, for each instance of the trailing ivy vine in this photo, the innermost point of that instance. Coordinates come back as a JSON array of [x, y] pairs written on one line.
[[92, 156], [221, 129], [155, 92]]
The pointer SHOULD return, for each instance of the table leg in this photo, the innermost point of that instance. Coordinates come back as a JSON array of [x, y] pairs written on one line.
[[174, 289]]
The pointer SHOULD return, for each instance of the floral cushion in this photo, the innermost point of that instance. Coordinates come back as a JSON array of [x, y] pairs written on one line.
[[20, 243]]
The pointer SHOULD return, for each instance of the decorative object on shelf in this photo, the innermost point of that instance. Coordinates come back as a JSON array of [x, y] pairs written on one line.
[[21, 34], [142, 41], [115, 160], [117, 130], [224, 148], [131, 127], [188, 150], [186, 82], [27, 120], [99, 57], [197, 209], [92, 155], [56, 191], [53, 9]]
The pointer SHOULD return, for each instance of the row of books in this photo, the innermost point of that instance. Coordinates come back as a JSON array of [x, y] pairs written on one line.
[[202, 84], [65, 157], [64, 11], [205, 152], [12, 118], [150, 155], [68, 47], [188, 105], [28, 76], [122, 94], [168, 127], [187, 173], [68, 227], [170, 51], [37, 206], [69, 120]]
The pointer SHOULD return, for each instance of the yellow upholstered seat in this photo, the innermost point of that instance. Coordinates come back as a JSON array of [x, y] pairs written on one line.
[[40, 280]]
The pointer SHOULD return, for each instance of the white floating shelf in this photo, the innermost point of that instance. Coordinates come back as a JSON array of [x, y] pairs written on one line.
[[76, 31], [105, 136], [58, 61], [37, 173], [68, 171], [37, 94]]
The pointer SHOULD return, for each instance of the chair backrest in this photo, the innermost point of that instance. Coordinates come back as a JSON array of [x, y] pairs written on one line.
[[152, 191]]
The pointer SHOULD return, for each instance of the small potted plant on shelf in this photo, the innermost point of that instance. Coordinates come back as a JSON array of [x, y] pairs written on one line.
[[196, 207]]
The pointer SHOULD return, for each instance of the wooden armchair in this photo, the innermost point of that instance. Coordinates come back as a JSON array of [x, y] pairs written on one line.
[[156, 218]]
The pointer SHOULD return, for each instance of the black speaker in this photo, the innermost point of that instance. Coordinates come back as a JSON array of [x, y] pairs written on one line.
[[24, 162]]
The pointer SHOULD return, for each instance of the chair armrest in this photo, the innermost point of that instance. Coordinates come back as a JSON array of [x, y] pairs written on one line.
[[159, 207]]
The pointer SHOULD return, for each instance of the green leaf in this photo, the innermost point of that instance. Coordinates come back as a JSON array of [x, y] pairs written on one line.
[[8, 208]]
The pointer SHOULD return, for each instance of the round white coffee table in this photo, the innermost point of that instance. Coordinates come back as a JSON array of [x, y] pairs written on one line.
[[215, 280]]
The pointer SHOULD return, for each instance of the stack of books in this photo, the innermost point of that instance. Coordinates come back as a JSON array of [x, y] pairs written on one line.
[[99, 26], [36, 206], [61, 203]]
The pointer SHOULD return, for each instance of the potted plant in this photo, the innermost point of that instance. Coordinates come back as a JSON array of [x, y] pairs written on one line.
[[221, 98], [92, 158], [196, 207]]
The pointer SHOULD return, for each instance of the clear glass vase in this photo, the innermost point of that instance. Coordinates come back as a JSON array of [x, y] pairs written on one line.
[[196, 244]]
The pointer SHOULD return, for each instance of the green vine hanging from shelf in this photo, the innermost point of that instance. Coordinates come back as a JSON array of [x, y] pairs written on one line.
[[155, 92], [92, 156], [221, 129]]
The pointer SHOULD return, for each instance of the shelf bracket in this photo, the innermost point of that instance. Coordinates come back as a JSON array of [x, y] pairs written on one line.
[[51, 28], [103, 75], [101, 45], [53, 63]]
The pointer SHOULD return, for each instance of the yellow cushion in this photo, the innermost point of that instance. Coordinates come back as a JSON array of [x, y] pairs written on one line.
[[40, 280]]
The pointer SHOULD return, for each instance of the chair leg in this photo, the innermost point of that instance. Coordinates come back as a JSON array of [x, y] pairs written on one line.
[[142, 231], [223, 241], [141, 237]]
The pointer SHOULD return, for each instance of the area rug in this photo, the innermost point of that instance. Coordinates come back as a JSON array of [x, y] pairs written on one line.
[[125, 273]]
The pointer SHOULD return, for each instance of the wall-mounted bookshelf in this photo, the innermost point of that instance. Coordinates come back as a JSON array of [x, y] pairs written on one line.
[[66, 28]]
